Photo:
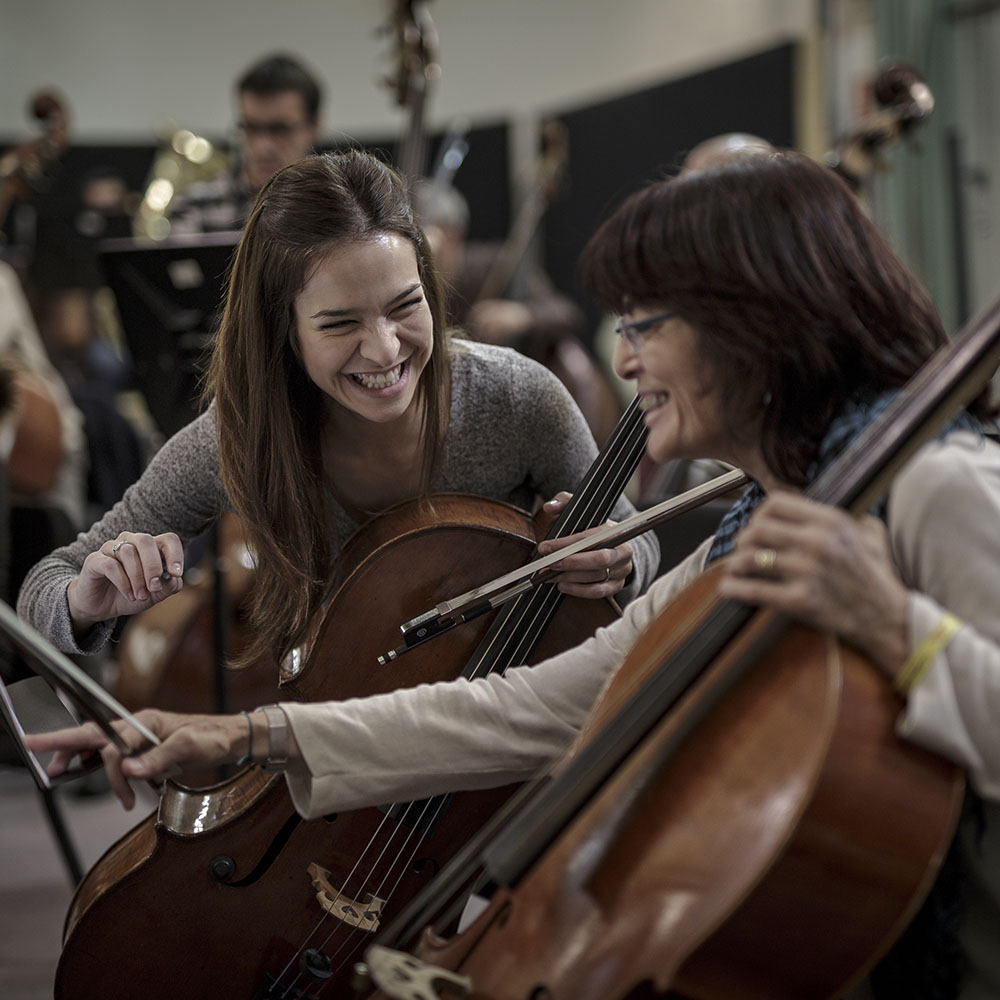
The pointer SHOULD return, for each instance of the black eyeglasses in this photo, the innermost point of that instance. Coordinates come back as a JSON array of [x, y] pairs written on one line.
[[634, 332], [274, 130]]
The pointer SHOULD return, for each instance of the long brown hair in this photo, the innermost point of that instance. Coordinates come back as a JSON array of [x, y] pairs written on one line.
[[796, 298], [268, 411]]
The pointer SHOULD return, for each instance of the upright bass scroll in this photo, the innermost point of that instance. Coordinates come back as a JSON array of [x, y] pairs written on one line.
[[417, 68]]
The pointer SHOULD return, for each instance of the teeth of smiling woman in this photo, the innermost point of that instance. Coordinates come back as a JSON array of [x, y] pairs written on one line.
[[380, 381], [651, 402]]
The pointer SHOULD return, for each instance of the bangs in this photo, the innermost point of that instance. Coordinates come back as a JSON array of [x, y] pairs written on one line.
[[617, 268]]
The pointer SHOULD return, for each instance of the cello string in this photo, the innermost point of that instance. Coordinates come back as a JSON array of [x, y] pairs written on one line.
[[364, 884], [340, 892], [385, 878]]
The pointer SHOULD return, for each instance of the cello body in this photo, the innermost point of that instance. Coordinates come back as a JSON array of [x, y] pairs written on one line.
[[227, 886], [777, 855]]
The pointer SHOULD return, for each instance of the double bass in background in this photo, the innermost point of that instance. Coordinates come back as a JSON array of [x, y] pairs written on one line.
[[904, 101], [417, 69], [551, 331], [498, 293]]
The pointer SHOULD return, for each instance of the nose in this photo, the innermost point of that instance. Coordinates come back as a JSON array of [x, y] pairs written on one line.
[[259, 140], [380, 343], [626, 360]]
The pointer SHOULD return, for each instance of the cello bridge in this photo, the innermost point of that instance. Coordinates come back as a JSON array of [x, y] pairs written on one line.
[[403, 977], [364, 915]]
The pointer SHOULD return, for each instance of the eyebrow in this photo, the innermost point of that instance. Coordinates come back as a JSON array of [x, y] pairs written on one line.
[[346, 312]]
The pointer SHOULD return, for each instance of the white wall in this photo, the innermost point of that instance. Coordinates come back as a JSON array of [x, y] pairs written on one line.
[[978, 111], [126, 66]]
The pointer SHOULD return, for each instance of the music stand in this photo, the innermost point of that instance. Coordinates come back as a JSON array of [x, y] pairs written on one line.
[[32, 704], [170, 295]]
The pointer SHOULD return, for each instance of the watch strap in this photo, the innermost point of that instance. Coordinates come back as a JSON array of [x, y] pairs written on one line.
[[277, 738]]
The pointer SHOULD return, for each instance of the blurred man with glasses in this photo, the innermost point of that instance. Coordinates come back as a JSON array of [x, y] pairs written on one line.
[[278, 123]]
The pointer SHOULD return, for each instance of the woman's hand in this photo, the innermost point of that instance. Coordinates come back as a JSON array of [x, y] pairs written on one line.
[[186, 741], [824, 567], [599, 573], [125, 575]]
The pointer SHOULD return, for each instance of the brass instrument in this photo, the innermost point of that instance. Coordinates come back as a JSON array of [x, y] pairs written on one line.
[[182, 160]]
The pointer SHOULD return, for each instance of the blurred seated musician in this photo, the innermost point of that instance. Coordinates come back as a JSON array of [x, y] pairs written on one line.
[[533, 316], [45, 447], [278, 103], [720, 148], [766, 323]]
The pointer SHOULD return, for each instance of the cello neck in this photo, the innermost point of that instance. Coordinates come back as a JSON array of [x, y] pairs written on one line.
[[607, 477], [517, 629], [949, 380]]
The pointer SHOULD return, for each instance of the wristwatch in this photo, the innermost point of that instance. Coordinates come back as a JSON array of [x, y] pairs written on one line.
[[277, 738]]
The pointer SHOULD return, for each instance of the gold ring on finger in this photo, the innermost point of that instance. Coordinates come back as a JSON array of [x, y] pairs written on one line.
[[764, 559]]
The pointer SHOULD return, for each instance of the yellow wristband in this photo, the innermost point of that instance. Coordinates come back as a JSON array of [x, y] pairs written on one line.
[[923, 656]]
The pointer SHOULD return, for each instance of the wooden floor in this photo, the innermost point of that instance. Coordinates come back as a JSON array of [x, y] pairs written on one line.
[[35, 887]]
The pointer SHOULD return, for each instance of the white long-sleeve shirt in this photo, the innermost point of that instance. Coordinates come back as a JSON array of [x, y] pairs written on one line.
[[944, 528]]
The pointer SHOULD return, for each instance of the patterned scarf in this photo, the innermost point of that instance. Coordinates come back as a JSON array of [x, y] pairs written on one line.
[[855, 415]]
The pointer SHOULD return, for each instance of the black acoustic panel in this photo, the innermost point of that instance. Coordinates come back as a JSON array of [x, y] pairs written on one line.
[[483, 178], [169, 296], [618, 146]]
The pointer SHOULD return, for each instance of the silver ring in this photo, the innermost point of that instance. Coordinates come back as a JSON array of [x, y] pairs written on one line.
[[607, 573], [764, 559], [117, 546]]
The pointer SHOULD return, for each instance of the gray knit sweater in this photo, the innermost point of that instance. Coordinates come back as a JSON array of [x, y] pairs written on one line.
[[515, 434]]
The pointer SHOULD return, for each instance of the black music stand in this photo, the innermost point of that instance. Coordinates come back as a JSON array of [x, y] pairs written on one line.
[[170, 295], [32, 705]]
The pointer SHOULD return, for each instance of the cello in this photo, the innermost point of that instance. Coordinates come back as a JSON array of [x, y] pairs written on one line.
[[295, 900], [417, 68], [739, 820]]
